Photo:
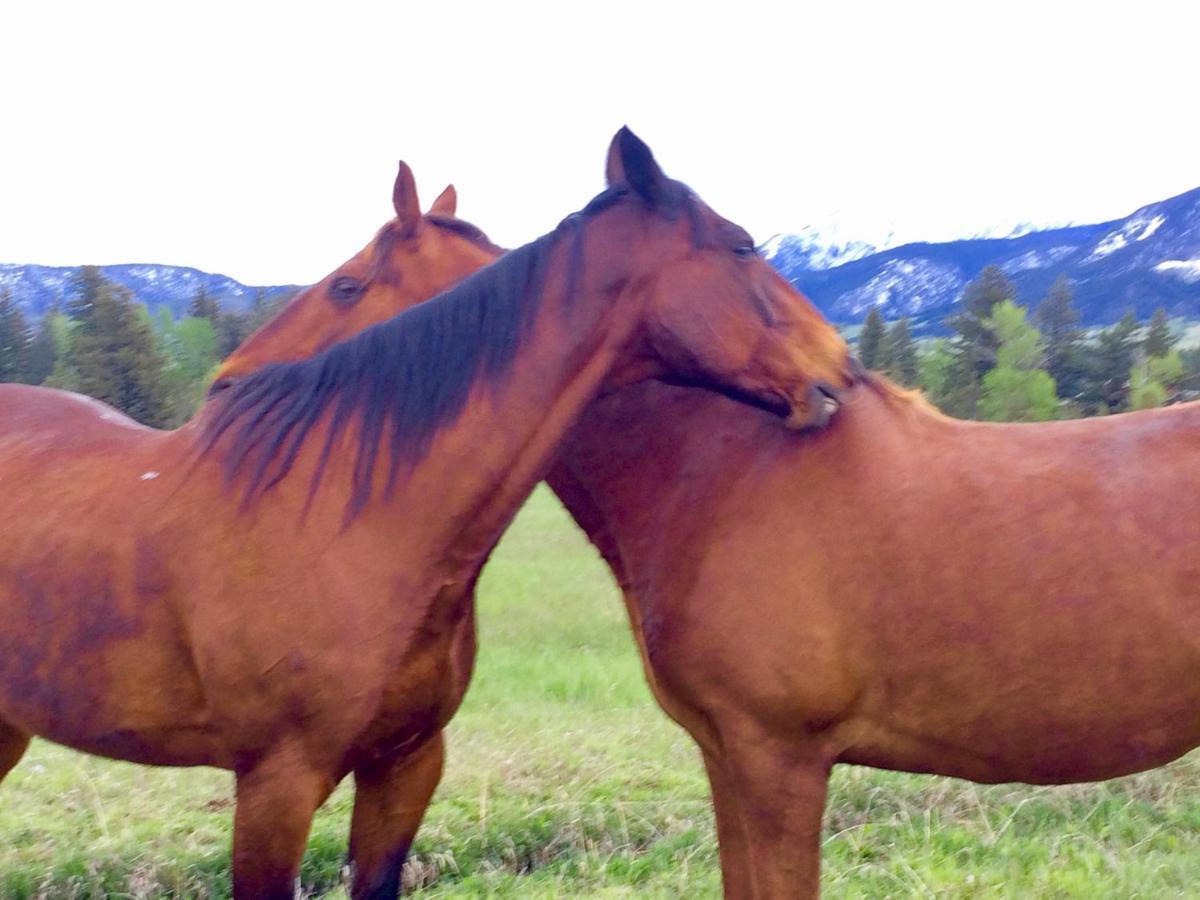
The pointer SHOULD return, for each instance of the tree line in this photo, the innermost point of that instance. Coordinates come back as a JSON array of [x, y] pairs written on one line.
[[1001, 364], [102, 342]]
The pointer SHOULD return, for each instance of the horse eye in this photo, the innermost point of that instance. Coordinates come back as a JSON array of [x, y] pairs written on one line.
[[345, 289], [745, 250]]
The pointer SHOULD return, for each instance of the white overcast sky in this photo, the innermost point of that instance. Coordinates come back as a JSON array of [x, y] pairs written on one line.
[[260, 140]]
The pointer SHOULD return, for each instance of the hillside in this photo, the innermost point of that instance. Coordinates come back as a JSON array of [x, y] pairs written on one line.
[[36, 288], [1148, 259]]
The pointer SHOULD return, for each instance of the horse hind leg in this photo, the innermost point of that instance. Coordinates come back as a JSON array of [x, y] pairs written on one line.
[[13, 742]]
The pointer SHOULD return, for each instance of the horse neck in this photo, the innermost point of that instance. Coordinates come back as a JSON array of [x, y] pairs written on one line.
[[511, 428], [647, 466]]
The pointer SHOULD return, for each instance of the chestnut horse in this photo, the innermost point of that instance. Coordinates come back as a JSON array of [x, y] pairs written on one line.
[[414, 257], [901, 590], [323, 629]]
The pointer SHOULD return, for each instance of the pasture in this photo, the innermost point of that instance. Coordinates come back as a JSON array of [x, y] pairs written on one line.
[[564, 779]]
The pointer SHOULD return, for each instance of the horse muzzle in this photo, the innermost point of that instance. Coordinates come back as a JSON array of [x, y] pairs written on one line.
[[815, 409]]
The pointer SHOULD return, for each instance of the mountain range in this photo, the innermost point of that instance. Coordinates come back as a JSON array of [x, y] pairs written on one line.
[[1147, 259], [37, 288]]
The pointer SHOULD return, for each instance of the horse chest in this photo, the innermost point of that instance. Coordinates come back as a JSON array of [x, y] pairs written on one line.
[[428, 674]]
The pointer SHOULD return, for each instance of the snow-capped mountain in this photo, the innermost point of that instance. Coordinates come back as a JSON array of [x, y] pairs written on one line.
[[812, 249], [36, 288], [1148, 259]]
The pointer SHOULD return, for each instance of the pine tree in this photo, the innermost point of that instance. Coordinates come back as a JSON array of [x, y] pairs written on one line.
[[39, 361], [14, 339], [1191, 366], [86, 286], [899, 354], [115, 355], [1159, 340], [1017, 389], [60, 331], [1107, 386], [231, 328], [204, 306], [261, 309], [975, 339], [870, 340], [974, 343], [1058, 320]]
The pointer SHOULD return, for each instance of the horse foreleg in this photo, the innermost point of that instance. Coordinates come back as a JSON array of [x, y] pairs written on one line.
[[275, 805], [780, 790], [12, 747], [390, 799], [731, 834]]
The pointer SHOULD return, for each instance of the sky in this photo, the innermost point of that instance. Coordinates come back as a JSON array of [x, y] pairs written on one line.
[[260, 140]]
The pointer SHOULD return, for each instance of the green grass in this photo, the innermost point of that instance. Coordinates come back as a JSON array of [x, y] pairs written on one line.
[[564, 779]]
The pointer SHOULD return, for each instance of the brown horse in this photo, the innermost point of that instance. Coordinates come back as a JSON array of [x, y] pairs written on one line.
[[326, 627], [901, 590], [412, 258]]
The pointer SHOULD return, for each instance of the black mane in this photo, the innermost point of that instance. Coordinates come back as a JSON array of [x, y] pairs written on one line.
[[406, 377]]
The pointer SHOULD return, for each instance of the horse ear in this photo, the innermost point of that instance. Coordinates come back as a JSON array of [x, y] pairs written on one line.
[[447, 202], [631, 164], [404, 201]]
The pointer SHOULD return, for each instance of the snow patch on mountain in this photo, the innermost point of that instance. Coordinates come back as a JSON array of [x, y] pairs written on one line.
[[1187, 269], [816, 250], [1111, 243], [1135, 229], [913, 284], [1151, 227], [1036, 259]]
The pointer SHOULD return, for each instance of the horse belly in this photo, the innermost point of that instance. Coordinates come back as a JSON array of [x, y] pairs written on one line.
[[86, 663], [1081, 714], [1032, 657], [1019, 751]]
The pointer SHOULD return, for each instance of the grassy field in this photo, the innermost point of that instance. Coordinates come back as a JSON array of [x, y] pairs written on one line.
[[564, 779]]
